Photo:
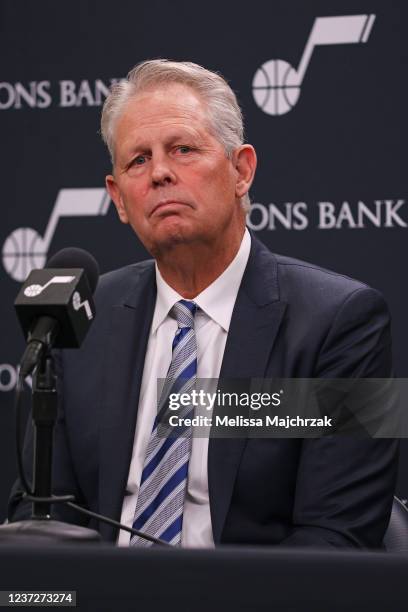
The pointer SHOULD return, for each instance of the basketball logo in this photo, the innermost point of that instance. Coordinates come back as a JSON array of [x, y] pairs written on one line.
[[36, 289], [275, 87], [22, 251], [25, 249], [276, 84]]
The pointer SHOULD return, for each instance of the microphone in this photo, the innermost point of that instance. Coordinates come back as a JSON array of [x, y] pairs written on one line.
[[55, 306], [55, 309]]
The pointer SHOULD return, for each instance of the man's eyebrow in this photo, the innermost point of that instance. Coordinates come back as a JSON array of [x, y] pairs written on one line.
[[180, 136], [138, 148]]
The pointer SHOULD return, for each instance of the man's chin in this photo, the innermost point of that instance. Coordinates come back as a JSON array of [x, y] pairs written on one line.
[[171, 236]]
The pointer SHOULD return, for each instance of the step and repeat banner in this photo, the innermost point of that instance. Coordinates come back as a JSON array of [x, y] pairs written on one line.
[[324, 92]]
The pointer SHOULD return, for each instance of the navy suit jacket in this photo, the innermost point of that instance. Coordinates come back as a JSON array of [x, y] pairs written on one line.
[[291, 319]]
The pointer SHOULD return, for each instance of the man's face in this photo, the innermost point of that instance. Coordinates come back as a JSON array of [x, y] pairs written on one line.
[[172, 180]]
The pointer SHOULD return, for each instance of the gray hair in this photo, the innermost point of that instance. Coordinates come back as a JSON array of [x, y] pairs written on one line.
[[224, 113]]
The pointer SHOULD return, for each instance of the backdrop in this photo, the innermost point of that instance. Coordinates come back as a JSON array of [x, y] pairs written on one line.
[[323, 89]]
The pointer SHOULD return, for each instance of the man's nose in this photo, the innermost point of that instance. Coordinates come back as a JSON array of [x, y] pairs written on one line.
[[162, 171]]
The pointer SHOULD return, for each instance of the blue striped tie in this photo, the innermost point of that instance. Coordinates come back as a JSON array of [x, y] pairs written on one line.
[[160, 503]]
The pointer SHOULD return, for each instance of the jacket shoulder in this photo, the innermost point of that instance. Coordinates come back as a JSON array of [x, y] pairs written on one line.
[[116, 285], [315, 280]]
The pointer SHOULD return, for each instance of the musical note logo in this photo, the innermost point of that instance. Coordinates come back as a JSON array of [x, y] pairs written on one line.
[[25, 249], [34, 290], [276, 84]]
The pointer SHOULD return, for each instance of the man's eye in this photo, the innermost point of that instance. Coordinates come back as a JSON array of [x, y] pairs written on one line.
[[139, 160], [184, 149]]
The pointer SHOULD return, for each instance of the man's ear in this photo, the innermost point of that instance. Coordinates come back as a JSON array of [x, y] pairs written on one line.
[[244, 160], [114, 192]]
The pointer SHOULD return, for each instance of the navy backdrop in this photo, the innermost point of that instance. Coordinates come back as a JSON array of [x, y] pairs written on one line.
[[324, 100]]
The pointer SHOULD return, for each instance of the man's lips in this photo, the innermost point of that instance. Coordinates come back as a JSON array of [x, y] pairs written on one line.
[[167, 204]]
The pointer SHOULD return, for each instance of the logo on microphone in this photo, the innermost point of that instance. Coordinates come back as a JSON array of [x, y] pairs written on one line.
[[276, 84], [25, 249], [34, 290], [77, 304]]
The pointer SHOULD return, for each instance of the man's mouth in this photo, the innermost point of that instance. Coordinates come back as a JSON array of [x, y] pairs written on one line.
[[167, 206]]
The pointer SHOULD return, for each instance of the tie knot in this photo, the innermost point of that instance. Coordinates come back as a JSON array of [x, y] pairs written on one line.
[[184, 311]]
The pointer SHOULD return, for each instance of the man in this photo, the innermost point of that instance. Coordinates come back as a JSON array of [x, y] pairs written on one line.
[[214, 303]]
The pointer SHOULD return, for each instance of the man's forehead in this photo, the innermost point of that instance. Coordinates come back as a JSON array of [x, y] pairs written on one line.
[[173, 112]]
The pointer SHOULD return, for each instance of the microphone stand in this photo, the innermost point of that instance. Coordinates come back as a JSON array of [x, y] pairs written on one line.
[[45, 403], [41, 527]]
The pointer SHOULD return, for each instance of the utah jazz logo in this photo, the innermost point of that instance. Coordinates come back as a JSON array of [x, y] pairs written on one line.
[[35, 290], [26, 249], [276, 84]]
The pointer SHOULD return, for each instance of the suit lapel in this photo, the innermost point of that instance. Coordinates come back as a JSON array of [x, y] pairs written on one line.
[[125, 353], [255, 322]]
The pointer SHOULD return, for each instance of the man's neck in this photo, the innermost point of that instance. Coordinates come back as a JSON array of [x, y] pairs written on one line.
[[191, 268]]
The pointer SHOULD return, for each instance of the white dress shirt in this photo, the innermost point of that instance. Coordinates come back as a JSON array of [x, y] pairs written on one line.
[[212, 323]]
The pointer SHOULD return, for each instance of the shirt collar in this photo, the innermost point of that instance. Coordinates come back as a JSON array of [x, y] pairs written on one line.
[[217, 300]]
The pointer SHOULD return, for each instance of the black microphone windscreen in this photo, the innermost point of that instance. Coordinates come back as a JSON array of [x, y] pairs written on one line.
[[73, 257]]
